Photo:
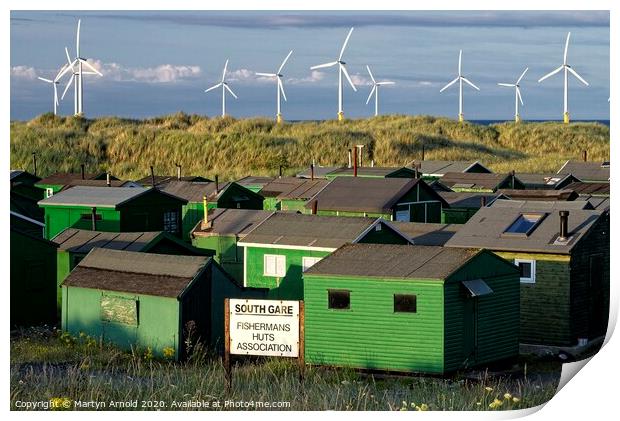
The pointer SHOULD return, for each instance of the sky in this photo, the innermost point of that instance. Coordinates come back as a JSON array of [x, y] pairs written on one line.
[[160, 62]]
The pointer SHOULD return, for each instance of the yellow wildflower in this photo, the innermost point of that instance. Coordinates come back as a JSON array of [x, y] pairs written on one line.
[[169, 352], [516, 400], [496, 403], [507, 396], [488, 389], [423, 407]]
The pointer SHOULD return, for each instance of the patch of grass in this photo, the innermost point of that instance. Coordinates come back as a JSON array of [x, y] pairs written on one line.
[[235, 148], [49, 365]]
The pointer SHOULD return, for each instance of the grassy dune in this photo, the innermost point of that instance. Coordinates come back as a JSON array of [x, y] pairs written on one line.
[[233, 148]]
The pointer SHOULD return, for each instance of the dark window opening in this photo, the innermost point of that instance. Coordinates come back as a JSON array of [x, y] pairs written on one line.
[[405, 303], [525, 223], [171, 221], [339, 299], [89, 217], [525, 269]]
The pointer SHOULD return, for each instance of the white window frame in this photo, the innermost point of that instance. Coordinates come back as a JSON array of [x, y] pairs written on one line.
[[531, 279], [49, 192], [276, 257], [305, 266]]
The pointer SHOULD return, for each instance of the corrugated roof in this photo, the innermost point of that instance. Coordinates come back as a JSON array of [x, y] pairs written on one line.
[[83, 241], [442, 167], [540, 194], [540, 205], [193, 191], [595, 189], [319, 172], [232, 222], [104, 197], [393, 261], [363, 194], [293, 229], [486, 229], [427, 234], [586, 171], [473, 180]]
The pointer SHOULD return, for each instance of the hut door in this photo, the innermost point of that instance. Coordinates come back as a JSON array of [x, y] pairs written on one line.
[[470, 330]]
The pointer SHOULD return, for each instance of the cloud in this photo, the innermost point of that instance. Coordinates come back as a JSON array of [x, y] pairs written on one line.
[[163, 73], [315, 76], [23, 72], [359, 80]]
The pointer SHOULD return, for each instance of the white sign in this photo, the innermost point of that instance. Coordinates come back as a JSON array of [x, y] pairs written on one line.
[[264, 327]]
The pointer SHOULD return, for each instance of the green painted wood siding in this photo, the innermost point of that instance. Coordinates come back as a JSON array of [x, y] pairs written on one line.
[[289, 287], [456, 215], [158, 319], [58, 218], [227, 253], [483, 329], [294, 205], [545, 305], [370, 335]]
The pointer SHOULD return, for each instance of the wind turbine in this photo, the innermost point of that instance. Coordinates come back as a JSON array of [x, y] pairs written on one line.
[[565, 66], [76, 67], [517, 94], [279, 86], [225, 88], [341, 70], [375, 90], [54, 83], [460, 79]]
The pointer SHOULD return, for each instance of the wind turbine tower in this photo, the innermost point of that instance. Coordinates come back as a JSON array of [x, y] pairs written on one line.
[[375, 90], [460, 79], [279, 87], [224, 85], [517, 94]]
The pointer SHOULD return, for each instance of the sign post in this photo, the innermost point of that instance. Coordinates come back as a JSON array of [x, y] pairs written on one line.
[[227, 369]]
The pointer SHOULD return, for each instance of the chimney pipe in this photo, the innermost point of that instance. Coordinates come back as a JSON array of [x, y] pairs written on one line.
[[217, 185], [94, 218], [34, 162], [359, 151], [178, 172], [315, 206], [349, 166], [312, 171], [418, 170], [422, 151], [512, 179], [585, 155], [483, 201], [415, 172], [355, 165], [82, 171], [152, 177], [372, 163], [107, 179], [205, 213], [563, 225]]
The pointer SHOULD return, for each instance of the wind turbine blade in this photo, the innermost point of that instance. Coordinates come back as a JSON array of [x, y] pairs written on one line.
[[385, 82], [460, 56], [510, 85], [320, 66], [213, 87], [284, 62], [372, 91], [66, 88], [566, 48], [266, 74], [570, 69], [522, 74], [345, 44], [519, 95], [230, 90], [64, 66], [551, 74], [63, 72], [281, 88], [68, 58], [77, 39], [470, 84], [45, 80], [370, 73], [449, 84], [344, 70], [87, 64], [224, 72]]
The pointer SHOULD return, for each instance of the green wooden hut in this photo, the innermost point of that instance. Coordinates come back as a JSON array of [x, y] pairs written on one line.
[[222, 232], [148, 300], [279, 249], [33, 276], [254, 183], [563, 255], [394, 199], [587, 171], [463, 205], [226, 195], [291, 193], [432, 170], [118, 209], [74, 244], [480, 182], [411, 309]]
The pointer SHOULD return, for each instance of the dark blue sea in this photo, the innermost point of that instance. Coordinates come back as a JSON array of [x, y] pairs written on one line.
[[488, 122]]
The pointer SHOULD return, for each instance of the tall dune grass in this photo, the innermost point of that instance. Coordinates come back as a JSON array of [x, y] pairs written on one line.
[[233, 148]]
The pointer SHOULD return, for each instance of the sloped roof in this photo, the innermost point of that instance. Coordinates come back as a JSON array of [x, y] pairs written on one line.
[[586, 171], [473, 180], [363, 194], [540, 205], [319, 172], [539, 194], [67, 178], [471, 200], [99, 183], [293, 229], [252, 180], [163, 179], [543, 180], [193, 191], [486, 230], [595, 189], [293, 188], [231, 222], [598, 202], [393, 261], [83, 241], [423, 234], [102, 197], [438, 168], [134, 272], [369, 171]]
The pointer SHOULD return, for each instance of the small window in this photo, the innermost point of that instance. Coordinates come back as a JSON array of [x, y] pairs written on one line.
[[527, 270], [404, 303], [49, 192], [308, 262], [525, 223], [119, 310], [378, 227], [274, 265], [89, 217], [171, 221], [339, 299]]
